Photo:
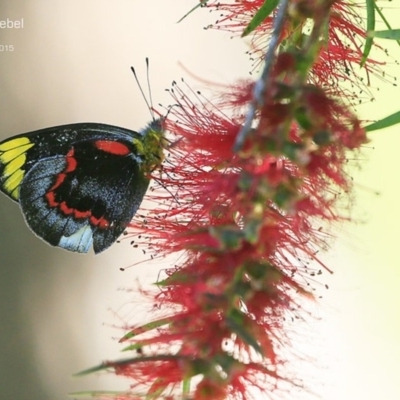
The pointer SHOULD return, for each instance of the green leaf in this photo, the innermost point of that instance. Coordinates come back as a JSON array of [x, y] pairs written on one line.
[[157, 388], [291, 150], [256, 269], [226, 362], [393, 34], [134, 347], [302, 118], [230, 237], [245, 181], [390, 120], [370, 27], [385, 21], [97, 368], [127, 361], [236, 322], [264, 11], [201, 4], [145, 328], [322, 138], [186, 386], [178, 277], [251, 230]]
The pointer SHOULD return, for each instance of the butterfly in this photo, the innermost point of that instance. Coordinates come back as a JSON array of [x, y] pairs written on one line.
[[79, 185]]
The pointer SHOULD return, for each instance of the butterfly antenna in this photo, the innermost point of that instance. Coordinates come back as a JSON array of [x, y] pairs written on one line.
[[141, 90], [148, 84]]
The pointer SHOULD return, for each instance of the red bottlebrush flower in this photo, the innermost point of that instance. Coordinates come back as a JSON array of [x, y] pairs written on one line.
[[237, 15], [341, 50], [244, 223]]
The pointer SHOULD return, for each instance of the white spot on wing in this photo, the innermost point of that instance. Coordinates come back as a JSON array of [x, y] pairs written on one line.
[[81, 241]]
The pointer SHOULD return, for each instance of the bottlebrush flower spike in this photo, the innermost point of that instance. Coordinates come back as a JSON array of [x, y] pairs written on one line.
[[245, 223]]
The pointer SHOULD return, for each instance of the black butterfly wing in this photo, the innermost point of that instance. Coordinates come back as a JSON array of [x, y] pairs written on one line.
[[86, 197], [20, 153]]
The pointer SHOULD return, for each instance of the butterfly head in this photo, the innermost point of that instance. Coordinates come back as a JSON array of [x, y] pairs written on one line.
[[151, 144]]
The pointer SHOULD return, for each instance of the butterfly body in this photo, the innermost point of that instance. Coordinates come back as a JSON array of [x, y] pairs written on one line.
[[79, 185]]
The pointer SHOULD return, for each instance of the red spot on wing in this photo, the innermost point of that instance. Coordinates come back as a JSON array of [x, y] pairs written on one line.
[[100, 222], [65, 209], [109, 146], [71, 161], [69, 211], [70, 167], [51, 199], [59, 180], [71, 164]]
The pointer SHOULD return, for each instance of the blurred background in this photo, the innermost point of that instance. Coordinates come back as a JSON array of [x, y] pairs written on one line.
[[60, 311]]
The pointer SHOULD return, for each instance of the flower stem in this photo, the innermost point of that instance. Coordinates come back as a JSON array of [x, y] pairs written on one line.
[[261, 83]]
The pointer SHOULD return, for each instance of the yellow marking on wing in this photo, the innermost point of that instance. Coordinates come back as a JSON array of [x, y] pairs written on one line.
[[13, 148], [14, 165], [13, 157], [11, 184], [15, 194], [13, 143]]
